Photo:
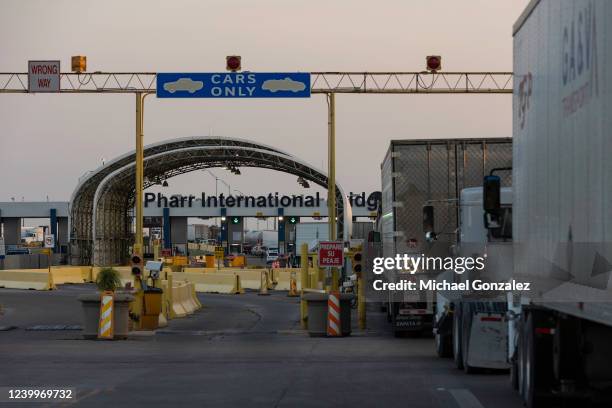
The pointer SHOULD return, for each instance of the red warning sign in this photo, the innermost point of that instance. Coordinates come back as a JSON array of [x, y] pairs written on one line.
[[331, 254]]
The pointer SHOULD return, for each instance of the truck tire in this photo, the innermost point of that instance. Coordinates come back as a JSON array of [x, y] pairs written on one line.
[[538, 364], [515, 364], [567, 356], [514, 375], [520, 360], [444, 345], [457, 354]]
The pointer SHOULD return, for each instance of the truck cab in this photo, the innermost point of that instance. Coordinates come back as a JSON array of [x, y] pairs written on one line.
[[471, 324]]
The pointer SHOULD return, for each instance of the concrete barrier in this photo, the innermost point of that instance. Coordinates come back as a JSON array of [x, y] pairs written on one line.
[[200, 270], [168, 299], [175, 298], [229, 283], [186, 299], [71, 274], [36, 279], [250, 278], [164, 315], [194, 296], [178, 309], [283, 276]]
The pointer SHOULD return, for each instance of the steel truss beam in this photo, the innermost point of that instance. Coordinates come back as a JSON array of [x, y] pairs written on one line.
[[321, 82]]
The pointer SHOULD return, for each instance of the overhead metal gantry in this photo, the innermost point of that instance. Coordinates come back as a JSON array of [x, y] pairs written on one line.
[[321, 82], [142, 84]]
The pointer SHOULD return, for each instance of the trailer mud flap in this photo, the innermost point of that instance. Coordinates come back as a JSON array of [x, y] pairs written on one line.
[[488, 341]]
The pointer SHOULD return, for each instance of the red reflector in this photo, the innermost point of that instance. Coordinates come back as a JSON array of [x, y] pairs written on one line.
[[544, 330], [490, 319]]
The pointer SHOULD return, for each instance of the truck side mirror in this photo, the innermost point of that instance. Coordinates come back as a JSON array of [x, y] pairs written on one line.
[[491, 193], [428, 218]]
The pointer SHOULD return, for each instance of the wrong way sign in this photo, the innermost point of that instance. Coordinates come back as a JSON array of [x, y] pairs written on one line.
[[43, 76]]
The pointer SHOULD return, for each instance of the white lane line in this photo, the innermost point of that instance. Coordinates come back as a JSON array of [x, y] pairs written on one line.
[[465, 398]]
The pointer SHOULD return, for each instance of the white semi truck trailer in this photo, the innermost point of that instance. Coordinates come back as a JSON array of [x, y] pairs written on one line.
[[562, 212], [429, 173]]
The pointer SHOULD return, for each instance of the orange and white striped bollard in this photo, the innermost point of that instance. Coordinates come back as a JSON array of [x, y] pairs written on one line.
[[333, 315]]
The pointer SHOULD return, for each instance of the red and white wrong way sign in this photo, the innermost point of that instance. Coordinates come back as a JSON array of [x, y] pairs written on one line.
[[43, 76], [331, 254]]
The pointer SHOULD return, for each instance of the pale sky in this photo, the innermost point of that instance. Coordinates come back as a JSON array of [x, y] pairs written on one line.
[[48, 141]]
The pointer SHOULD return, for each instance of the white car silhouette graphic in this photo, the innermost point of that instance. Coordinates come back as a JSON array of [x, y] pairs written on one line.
[[287, 84], [183, 84]]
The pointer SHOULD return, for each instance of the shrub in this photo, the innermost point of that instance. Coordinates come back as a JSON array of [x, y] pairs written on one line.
[[108, 279]]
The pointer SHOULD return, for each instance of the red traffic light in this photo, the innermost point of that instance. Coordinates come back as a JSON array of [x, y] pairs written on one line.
[[434, 63], [357, 258], [233, 63], [137, 264]]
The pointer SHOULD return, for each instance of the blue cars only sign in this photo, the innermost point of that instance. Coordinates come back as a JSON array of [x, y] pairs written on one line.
[[233, 85]]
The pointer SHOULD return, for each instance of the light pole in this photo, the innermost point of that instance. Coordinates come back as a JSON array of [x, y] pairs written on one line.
[[217, 179], [229, 188], [244, 225]]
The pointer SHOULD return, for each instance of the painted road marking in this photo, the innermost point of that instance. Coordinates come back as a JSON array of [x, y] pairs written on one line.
[[465, 398]]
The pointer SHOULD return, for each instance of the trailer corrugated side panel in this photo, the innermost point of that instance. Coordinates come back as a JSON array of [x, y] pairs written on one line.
[[562, 129], [417, 172], [387, 223]]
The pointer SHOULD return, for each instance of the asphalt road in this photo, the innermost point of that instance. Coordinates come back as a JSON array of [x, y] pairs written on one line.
[[239, 351]]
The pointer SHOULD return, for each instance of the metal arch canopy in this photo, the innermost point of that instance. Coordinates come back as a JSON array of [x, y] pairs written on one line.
[[81, 201], [111, 187]]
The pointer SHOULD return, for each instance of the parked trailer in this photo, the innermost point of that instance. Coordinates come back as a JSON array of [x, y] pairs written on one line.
[[432, 172], [562, 129]]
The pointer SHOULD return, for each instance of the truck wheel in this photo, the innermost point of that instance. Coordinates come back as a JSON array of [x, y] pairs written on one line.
[[514, 376], [520, 360], [466, 328], [457, 355], [444, 345], [535, 371], [567, 356]]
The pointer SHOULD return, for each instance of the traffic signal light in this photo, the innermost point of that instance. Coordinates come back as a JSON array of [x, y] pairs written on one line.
[[294, 220], [233, 63], [235, 220], [137, 264], [434, 63], [356, 261]]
